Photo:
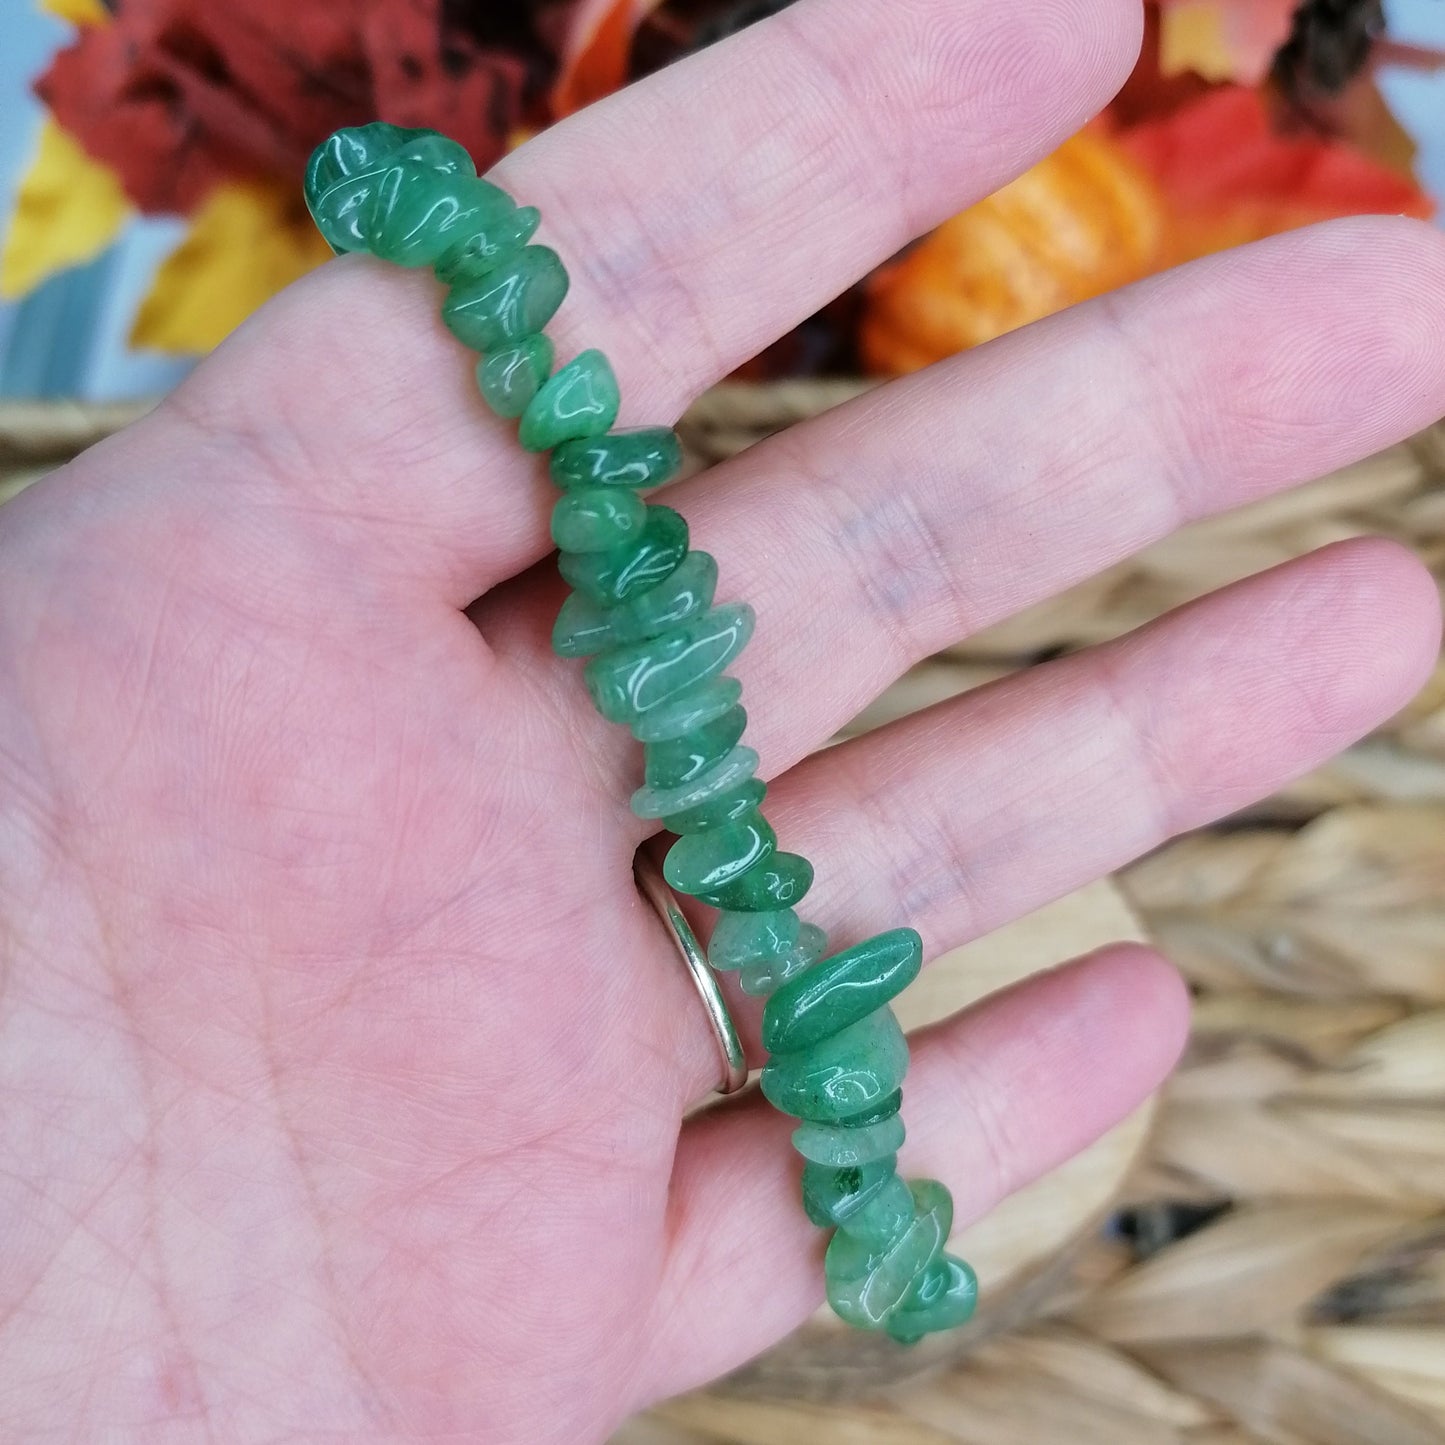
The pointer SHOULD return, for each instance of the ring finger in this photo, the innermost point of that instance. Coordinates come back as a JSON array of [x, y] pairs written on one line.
[[978, 810]]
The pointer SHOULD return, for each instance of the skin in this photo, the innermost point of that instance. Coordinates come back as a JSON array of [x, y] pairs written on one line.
[[343, 1070]]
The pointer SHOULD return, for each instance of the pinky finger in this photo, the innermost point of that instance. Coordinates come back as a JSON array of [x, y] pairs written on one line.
[[996, 1096]]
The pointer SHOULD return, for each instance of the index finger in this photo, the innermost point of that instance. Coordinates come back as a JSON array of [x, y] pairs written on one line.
[[707, 210]]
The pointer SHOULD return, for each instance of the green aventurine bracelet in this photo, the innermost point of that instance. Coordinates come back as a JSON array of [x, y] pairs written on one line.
[[642, 611]]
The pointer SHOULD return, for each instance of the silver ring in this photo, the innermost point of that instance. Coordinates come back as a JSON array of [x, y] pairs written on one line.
[[655, 890]]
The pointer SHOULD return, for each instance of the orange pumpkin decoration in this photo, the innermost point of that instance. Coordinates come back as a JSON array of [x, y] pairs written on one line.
[[1084, 220]]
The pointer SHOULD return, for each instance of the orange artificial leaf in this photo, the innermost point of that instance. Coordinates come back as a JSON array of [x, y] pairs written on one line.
[[1081, 222], [247, 241], [68, 209], [1223, 39], [1229, 177], [596, 52]]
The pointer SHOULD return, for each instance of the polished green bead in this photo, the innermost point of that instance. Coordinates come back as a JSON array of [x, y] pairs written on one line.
[[945, 1297], [421, 198], [714, 813], [597, 519], [679, 760], [841, 990], [841, 1075], [781, 882], [627, 571], [639, 457], [516, 299], [628, 682], [343, 212], [843, 1146], [884, 1217], [875, 1113], [759, 979], [686, 592], [353, 150], [867, 1281], [346, 172], [439, 153], [702, 861], [688, 710], [741, 939], [419, 214], [509, 378], [727, 773], [492, 241], [579, 401], [585, 627], [831, 1195], [812, 942]]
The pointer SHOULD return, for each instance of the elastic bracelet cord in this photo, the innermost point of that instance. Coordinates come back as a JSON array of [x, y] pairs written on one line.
[[642, 612]]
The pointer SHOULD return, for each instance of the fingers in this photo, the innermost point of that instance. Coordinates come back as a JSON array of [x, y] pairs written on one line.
[[708, 209], [700, 213], [977, 811], [994, 1097], [873, 536], [983, 808]]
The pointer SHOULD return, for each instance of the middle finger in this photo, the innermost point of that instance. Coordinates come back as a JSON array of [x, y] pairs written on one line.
[[872, 536]]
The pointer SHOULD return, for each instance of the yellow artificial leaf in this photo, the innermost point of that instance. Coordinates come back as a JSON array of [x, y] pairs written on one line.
[[77, 12], [246, 242], [68, 209], [1191, 37]]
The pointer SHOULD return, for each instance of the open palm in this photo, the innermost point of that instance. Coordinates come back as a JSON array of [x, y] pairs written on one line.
[[343, 1068]]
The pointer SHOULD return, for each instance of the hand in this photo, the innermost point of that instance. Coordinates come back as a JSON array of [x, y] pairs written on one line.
[[343, 1066]]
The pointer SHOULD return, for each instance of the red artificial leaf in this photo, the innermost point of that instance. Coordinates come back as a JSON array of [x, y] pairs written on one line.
[[269, 78], [1229, 176], [177, 96], [424, 75], [110, 90]]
